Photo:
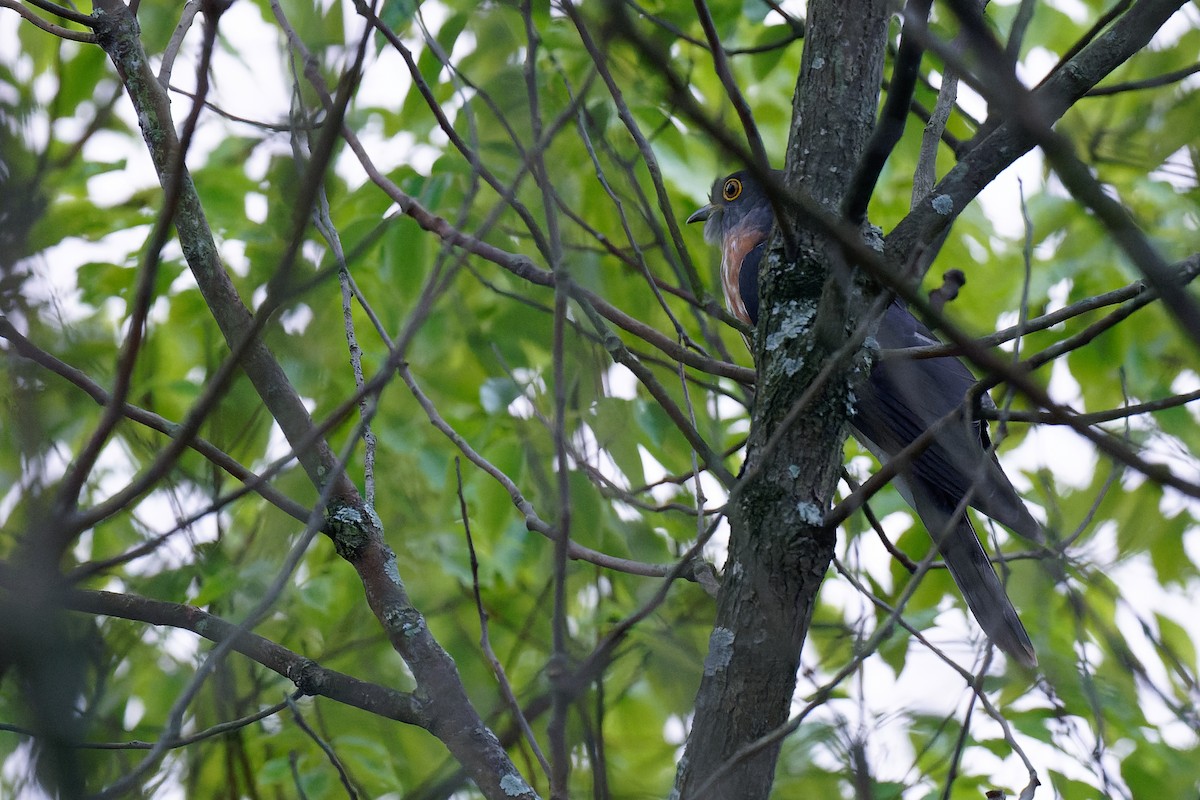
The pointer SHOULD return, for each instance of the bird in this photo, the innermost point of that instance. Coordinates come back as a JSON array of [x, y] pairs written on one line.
[[901, 399]]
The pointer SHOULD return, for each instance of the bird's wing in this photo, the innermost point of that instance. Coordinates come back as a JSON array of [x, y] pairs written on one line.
[[748, 279], [903, 397]]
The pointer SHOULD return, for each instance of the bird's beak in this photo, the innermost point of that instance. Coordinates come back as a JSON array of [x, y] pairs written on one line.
[[701, 214]]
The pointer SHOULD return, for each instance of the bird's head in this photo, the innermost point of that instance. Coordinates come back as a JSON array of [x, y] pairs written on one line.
[[737, 203]]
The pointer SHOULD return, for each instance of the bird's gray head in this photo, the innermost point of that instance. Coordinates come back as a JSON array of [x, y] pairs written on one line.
[[737, 203]]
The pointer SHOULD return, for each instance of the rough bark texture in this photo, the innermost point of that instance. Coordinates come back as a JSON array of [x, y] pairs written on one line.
[[779, 551]]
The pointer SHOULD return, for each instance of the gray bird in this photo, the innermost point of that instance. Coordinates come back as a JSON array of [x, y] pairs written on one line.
[[900, 400]]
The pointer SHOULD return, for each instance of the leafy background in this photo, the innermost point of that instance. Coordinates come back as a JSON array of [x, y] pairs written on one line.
[[1112, 711]]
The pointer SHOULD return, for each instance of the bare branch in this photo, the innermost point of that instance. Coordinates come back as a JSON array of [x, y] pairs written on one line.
[[721, 66], [485, 642], [151, 420], [998, 146], [64, 12], [1032, 117], [894, 115], [309, 676], [186, 18], [46, 25], [216, 730], [1165, 79], [1095, 417], [325, 746]]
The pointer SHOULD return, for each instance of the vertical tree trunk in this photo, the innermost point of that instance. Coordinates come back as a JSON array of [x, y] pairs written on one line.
[[779, 551]]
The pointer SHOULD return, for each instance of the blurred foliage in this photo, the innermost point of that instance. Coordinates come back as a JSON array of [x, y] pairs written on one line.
[[1113, 712]]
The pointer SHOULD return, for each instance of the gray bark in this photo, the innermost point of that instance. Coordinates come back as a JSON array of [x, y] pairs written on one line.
[[779, 549]]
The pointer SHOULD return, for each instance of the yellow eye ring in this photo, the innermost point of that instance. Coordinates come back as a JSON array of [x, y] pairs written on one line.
[[732, 190]]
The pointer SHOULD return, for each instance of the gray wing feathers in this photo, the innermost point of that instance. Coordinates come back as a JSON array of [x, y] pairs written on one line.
[[903, 397], [900, 400]]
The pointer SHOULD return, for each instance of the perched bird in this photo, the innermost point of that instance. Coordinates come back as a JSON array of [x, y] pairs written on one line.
[[901, 399]]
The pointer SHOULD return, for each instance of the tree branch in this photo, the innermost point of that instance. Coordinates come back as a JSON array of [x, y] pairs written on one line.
[[995, 148], [50, 27], [309, 676], [354, 527], [892, 118]]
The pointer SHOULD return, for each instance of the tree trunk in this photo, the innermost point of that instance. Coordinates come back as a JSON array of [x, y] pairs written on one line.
[[779, 549]]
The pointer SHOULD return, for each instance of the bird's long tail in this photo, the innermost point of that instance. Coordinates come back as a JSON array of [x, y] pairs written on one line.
[[968, 564]]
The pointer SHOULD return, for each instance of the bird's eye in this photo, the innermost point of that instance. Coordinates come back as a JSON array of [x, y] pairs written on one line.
[[731, 190]]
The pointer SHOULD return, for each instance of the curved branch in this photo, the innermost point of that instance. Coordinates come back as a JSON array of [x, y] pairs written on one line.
[[309, 676], [50, 27], [1165, 79], [153, 421], [182, 741], [78, 17]]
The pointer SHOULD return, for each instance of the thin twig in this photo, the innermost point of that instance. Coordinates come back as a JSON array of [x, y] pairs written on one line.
[[873, 521], [151, 420], [925, 174], [215, 730], [1016, 34], [732, 91], [323, 222], [1138, 291], [186, 17], [1166, 79], [325, 746], [485, 640], [892, 119], [964, 729], [1097, 417]]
